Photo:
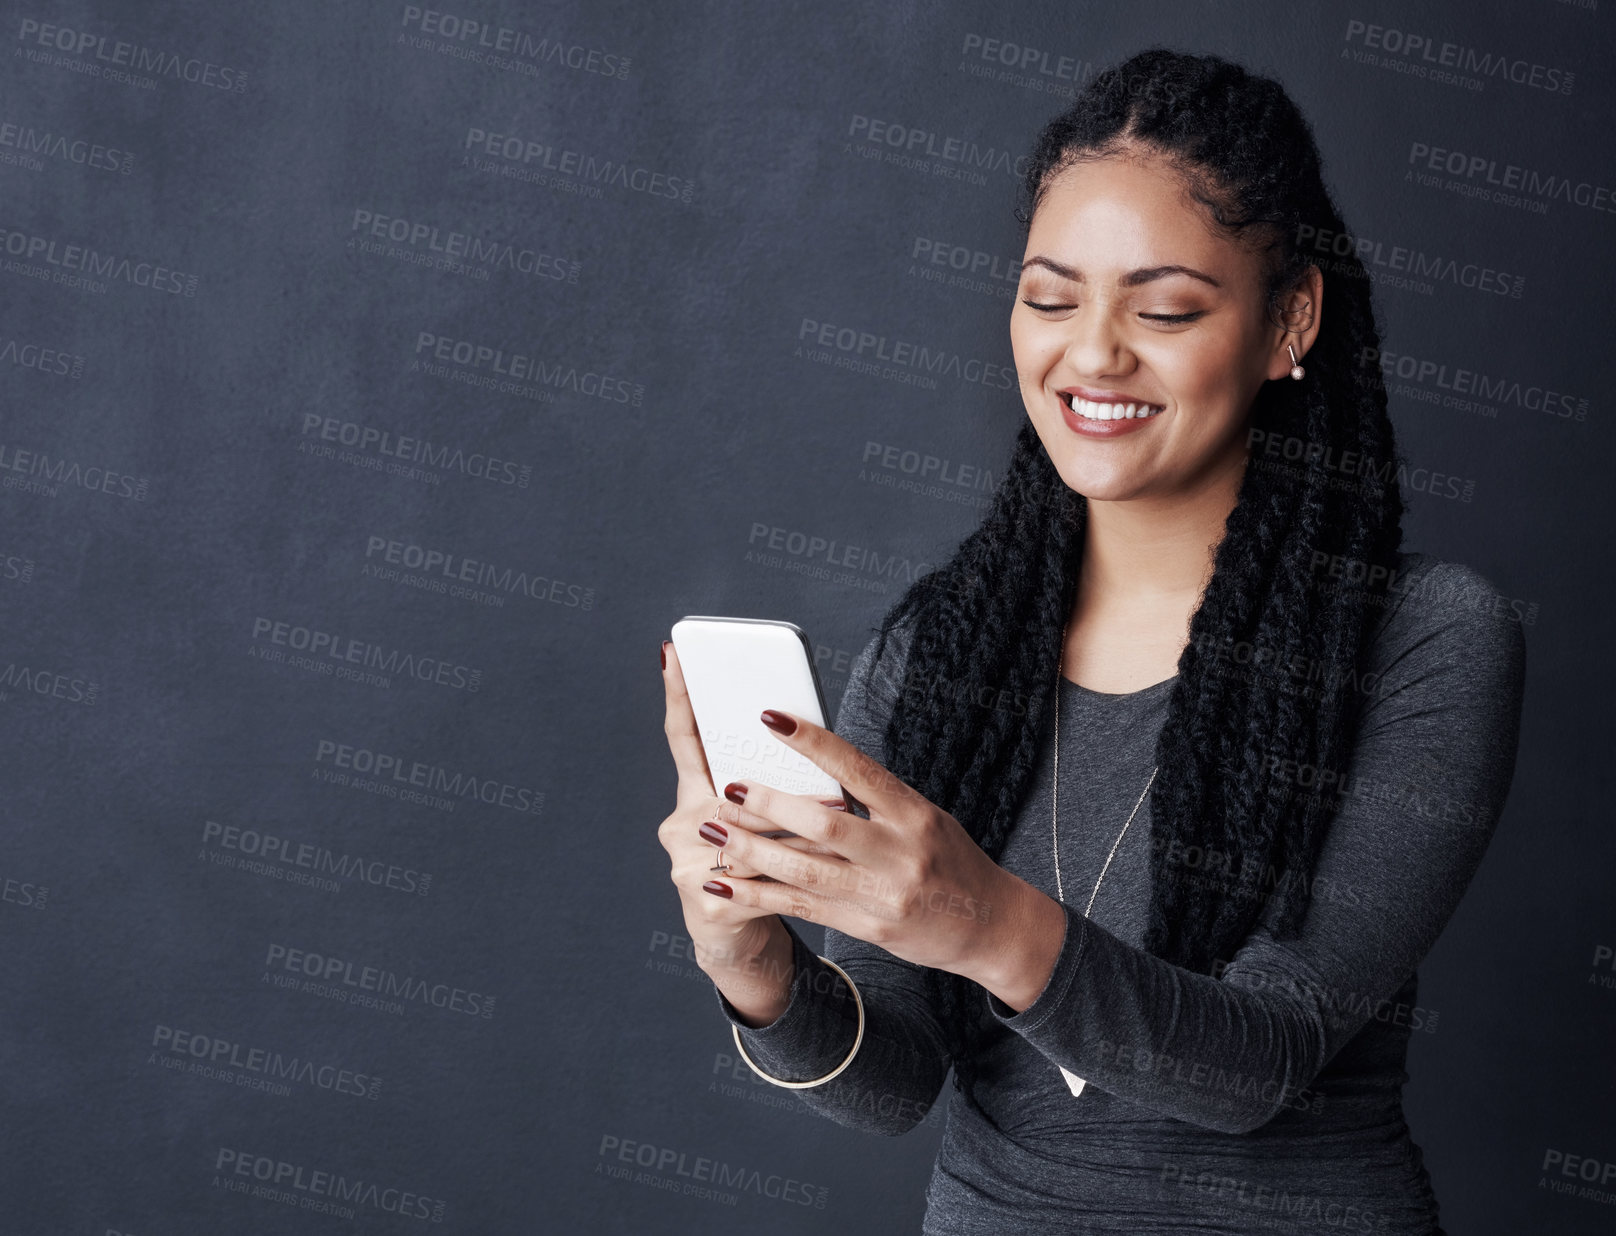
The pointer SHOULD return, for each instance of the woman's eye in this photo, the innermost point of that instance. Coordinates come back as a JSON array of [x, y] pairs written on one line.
[[1171, 319]]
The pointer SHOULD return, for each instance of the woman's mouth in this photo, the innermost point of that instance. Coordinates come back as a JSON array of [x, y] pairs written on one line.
[[1110, 418], [1110, 410]]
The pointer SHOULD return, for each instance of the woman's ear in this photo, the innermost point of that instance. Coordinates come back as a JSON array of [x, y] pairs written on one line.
[[1297, 314]]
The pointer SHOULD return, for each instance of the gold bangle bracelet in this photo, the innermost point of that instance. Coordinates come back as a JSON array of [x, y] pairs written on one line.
[[818, 1081]]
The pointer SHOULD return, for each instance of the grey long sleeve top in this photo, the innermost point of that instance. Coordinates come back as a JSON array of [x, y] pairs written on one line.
[[1264, 1098]]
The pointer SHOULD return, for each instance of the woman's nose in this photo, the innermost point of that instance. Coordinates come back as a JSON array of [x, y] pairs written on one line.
[[1094, 344]]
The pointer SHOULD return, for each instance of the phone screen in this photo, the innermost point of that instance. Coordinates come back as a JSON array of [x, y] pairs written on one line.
[[734, 668]]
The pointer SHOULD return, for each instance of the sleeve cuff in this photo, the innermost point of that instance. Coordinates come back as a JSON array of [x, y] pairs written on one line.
[[1059, 983], [815, 1031]]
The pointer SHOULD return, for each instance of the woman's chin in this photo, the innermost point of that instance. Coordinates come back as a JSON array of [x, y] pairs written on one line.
[[1101, 484]]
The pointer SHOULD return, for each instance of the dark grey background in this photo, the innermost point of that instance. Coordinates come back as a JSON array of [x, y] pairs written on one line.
[[139, 721]]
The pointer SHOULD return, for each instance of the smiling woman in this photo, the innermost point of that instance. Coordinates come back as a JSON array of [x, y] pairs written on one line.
[[1164, 921]]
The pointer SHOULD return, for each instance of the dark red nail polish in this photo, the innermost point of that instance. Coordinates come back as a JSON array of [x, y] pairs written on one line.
[[735, 792], [716, 833], [663, 653], [779, 722], [835, 804], [717, 889]]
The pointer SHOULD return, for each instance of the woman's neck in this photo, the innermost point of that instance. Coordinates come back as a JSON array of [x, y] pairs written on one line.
[[1155, 548], [1146, 563]]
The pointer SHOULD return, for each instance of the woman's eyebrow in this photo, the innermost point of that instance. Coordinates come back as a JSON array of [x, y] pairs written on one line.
[[1130, 280]]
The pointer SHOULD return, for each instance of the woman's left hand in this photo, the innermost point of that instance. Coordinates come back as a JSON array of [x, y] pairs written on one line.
[[909, 879]]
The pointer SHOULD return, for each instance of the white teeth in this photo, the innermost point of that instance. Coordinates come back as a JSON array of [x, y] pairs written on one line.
[[1113, 411]]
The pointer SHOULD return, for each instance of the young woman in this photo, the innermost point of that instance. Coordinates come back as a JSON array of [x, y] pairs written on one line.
[[1179, 767]]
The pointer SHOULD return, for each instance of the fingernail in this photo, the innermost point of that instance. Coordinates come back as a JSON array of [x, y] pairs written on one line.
[[663, 653], [717, 889], [735, 791], [779, 722], [835, 804], [716, 833]]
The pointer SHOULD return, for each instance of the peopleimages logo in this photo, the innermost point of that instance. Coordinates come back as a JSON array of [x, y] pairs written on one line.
[[46, 360], [477, 40], [1433, 55], [232, 1062], [1486, 172], [340, 654], [346, 1193], [699, 1169], [523, 156], [913, 142], [307, 862], [30, 142], [90, 265], [40, 472], [864, 350], [24, 893], [25, 679], [1343, 1007], [469, 573], [1404, 266], [1598, 1176], [121, 55], [374, 449], [520, 367], [342, 972], [966, 260], [394, 770], [16, 568], [1473, 388], [1023, 65], [446, 243], [813, 548]]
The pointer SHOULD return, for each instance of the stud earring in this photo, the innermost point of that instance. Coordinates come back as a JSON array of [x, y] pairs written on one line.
[[1296, 369]]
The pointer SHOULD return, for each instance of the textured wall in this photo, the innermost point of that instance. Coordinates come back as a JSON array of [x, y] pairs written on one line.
[[380, 383]]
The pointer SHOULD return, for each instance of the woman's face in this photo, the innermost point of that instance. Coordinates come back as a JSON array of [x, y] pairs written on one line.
[[1128, 296]]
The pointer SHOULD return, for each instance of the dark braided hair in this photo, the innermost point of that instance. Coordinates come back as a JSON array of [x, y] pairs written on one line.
[[988, 624]]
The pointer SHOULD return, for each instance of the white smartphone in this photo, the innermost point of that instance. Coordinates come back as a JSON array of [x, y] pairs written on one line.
[[734, 668]]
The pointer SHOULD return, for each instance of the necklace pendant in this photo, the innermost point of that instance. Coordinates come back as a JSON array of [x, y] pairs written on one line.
[[1073, 1081]]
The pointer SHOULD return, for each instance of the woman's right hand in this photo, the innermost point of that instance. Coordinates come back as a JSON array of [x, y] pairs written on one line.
[[746, 951]]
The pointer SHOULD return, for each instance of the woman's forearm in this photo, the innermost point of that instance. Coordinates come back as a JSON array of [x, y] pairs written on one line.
[[1015, 956], [1019, 946], [887, 1079], [759, 986]]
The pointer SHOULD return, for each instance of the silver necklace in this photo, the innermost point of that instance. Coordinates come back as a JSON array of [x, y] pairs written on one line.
[[1073, 1081]]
